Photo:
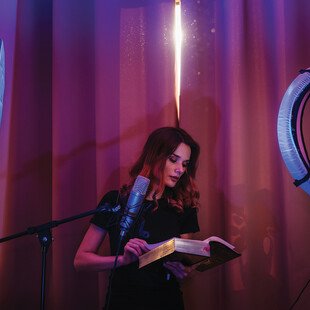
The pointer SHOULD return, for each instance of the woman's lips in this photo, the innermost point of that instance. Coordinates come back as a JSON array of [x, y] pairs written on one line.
[[174, 179]]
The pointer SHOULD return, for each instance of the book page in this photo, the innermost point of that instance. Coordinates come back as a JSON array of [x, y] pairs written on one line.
[[152, 246], [220, 240]]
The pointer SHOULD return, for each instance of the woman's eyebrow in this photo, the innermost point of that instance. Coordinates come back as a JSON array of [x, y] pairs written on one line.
[[178, 156]]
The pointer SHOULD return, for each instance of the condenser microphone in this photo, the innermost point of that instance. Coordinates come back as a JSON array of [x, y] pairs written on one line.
[[134, 204]]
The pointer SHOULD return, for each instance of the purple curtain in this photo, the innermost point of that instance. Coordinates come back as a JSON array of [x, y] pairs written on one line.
[[86, 81]]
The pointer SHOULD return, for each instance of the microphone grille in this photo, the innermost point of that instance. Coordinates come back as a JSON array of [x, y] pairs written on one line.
[[141, 184]]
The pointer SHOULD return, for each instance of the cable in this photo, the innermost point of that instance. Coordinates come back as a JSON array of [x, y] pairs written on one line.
[[121, 240], [107, 303], [295, 302]]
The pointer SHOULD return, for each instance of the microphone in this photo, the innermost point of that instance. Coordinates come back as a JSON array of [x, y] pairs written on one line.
[[134, 204]]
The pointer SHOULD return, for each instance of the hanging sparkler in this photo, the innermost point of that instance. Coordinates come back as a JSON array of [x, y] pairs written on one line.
[[178, 44]]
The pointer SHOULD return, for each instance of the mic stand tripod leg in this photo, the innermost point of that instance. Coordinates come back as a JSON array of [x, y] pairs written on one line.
[[45, 238]]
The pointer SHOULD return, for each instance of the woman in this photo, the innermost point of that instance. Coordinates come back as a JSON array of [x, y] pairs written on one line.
[[169, 159]]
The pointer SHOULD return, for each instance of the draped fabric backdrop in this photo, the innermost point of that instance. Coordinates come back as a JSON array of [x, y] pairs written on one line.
[[87, 81]]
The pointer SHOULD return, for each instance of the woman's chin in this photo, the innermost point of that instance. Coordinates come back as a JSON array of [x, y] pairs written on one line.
[[171, 184]]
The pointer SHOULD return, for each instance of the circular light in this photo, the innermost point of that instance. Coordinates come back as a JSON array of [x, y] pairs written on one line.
[[2, 71], [290, 134]]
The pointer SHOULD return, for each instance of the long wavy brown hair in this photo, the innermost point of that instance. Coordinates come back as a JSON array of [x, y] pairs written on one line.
[[160, 144]]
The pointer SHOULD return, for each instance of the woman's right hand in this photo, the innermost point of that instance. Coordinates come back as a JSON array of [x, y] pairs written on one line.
[[133, 249]]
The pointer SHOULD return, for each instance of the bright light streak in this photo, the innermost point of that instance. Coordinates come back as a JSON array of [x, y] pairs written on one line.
[[178, 46]]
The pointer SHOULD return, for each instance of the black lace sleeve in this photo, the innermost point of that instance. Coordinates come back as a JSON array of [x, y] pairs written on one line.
[[112, 211]]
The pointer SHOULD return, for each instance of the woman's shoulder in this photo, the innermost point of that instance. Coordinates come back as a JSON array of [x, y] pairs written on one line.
[[111, 197], [189, 210]]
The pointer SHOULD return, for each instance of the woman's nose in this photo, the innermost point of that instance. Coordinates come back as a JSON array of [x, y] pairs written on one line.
[[179, 170]]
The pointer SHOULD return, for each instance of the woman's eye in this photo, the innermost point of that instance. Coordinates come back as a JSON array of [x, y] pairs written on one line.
[[172, 159], [185, 165]]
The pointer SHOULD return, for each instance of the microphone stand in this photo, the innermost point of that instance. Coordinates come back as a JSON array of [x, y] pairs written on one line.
[[45, 238]]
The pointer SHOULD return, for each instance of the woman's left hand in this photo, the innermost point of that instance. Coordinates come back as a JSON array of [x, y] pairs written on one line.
[[178, 269]]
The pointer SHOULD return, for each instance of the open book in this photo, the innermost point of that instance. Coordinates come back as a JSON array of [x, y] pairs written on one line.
[[206, 253]]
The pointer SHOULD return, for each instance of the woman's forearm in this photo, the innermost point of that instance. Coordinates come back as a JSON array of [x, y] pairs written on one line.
[[94, 262]]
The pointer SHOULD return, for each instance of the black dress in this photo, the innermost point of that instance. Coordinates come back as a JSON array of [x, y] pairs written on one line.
[[152, 287]]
